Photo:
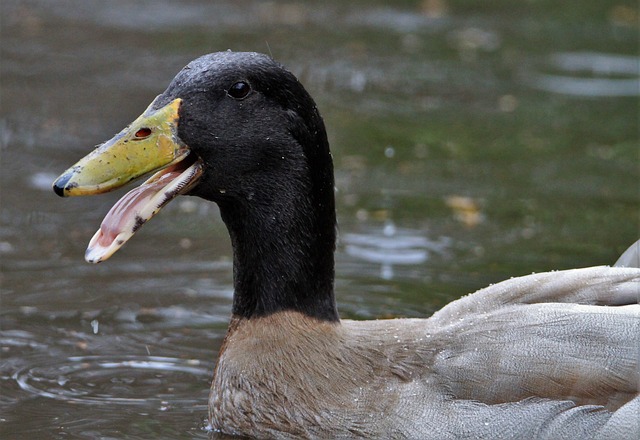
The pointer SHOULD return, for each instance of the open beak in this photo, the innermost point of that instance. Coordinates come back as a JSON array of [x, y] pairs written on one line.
[[149, 144]]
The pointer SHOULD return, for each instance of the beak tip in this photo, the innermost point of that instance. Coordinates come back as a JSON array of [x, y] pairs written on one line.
[[60, 184]]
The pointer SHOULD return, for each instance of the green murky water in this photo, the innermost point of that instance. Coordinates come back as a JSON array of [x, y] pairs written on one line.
[[473, 141]]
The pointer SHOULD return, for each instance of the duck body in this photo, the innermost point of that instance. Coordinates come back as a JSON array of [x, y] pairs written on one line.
[[552, 355], [504, 362]]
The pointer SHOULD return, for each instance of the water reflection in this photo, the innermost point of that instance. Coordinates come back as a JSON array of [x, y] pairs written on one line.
[[42, 180], [589, 74]]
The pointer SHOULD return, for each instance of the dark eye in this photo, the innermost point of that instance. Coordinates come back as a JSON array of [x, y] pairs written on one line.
[[239, 90]]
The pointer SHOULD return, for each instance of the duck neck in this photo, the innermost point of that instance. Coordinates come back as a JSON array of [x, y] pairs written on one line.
[[284, 249]]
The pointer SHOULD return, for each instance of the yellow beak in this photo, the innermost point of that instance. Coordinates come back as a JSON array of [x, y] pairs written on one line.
[[150, 143]]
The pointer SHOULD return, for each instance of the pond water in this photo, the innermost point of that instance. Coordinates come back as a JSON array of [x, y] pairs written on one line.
[[473, 141]]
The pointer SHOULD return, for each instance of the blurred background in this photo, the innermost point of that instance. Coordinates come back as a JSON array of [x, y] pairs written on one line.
[[473, 141]]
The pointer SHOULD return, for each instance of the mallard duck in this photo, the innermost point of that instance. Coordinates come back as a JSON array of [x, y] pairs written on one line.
[[550, 355]]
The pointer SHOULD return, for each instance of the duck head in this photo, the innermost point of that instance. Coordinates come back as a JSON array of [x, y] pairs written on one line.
[[227, 128]]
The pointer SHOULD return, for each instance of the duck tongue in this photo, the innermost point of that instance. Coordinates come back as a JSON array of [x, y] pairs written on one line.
[[138, 206]]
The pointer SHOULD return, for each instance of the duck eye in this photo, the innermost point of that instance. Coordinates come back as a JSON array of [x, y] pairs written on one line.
[[142, 133], [239, 90]]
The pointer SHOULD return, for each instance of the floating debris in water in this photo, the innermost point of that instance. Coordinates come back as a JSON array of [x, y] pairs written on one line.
[[466, 210]]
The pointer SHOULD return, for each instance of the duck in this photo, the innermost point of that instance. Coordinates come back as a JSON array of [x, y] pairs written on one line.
[[551, 355]]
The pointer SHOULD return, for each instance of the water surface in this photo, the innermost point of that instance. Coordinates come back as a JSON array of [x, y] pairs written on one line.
[[473, 141]]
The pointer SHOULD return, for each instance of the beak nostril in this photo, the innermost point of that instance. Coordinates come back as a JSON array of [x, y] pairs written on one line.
[[143, 133]]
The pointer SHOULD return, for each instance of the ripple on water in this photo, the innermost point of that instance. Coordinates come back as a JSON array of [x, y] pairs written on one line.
[[160, 382], [588, 74], [390, 247]]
